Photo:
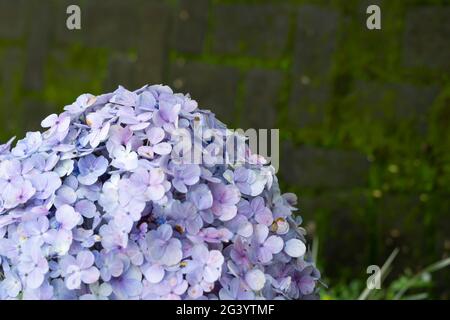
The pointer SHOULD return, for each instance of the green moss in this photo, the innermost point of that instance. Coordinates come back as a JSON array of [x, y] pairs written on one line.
[[73, 71]]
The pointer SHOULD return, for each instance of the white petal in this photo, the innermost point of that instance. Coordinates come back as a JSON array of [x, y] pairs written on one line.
[[295, 248], [255, 279]]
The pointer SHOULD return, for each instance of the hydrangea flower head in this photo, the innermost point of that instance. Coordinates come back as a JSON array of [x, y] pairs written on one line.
[[103, 205]]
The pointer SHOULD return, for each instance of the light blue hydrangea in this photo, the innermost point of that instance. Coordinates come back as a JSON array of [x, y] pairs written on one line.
[[100, 205]]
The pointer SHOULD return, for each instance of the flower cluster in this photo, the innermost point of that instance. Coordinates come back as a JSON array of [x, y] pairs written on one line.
[[98, 207]]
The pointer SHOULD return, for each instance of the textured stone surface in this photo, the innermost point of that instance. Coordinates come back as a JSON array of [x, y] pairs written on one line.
[[315, 41], [308, 103], [311, 167], [153, 48], [221, 83], [39, 32], [415, 100], [393, 102], [121, 69], [190, 26], [331, 214], [426, 38], [37, 111], [261, 98], [116, 18], [11, 73], [255, 30], [111, 24], [12, 20], [402, 225]]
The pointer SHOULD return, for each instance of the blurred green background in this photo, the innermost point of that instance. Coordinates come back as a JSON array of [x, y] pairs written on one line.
[[363, 115]]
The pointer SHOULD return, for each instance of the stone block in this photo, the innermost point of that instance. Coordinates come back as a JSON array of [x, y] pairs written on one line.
[[308, 103], [315, 41], [214, 87], [312, 167], [253, 30], [426, 42], [329, 217], [261, 98], [12, 19], [190, 26]]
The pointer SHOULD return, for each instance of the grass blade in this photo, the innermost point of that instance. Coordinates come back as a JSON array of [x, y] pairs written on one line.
[[384, 270], [431, 268]]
